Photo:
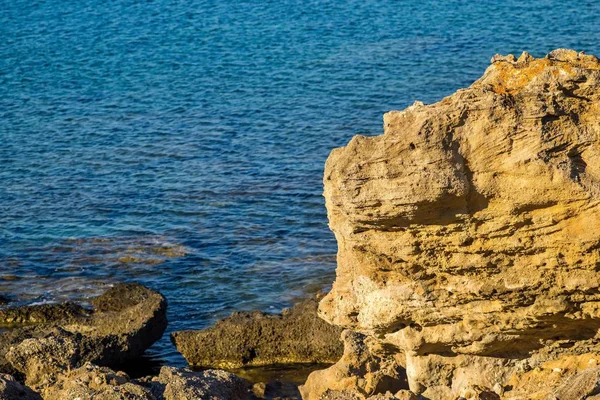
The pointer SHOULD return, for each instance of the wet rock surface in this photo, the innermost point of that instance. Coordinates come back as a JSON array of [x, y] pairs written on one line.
[[298, 335], [469, 232]]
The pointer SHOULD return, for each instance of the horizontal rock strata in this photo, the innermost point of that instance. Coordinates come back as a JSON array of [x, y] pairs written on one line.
[[298, 335], [469, 232]]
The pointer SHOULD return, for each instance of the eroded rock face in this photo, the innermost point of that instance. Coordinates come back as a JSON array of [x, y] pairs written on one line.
[[365, 370], [125, 321], [255, 338], [469, 232]]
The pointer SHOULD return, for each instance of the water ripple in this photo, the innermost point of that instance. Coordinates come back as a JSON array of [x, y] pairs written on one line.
[[181, 144]]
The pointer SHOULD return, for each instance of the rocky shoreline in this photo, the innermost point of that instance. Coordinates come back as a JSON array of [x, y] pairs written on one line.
[[66, 351], [468, 268]]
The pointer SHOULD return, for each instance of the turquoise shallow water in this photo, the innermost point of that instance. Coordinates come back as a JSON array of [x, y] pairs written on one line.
[[181, 144]]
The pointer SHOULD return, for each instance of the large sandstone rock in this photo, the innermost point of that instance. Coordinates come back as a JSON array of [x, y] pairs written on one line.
[[298, 335], [47, 340], [469, 232]]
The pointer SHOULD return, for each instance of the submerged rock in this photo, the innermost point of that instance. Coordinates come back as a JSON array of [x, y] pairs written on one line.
[[125, 321], [298, 335], [469, 232]]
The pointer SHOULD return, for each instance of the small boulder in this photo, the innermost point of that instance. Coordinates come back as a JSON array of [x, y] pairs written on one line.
[[182, 383], [91, 382], [125, 321], [298, 335]]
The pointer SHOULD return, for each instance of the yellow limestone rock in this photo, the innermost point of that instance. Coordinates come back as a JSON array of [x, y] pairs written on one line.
[[469, 232]]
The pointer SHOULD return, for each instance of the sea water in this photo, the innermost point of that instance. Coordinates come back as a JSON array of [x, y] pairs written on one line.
[[181, 144]]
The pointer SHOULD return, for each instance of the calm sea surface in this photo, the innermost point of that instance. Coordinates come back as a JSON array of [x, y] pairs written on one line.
[[181, 144]]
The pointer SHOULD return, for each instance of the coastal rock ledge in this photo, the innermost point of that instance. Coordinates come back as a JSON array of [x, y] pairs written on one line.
[[469, 241]]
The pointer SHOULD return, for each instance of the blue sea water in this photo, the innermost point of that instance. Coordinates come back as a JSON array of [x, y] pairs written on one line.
[[181, 144]]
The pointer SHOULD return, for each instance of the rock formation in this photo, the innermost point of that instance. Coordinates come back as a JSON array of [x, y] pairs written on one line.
[[469, 235], [43, 341], [298, 335], [181, 383], [91, 382], [365, 368]]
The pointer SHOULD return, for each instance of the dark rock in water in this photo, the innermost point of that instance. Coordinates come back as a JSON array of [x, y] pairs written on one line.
[[297, 335], [126, 320], [4, 300], [10, 389], [181, 383]]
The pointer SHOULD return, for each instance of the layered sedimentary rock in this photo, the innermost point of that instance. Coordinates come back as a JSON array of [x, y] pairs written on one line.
[[469, 233], [297, 335]]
